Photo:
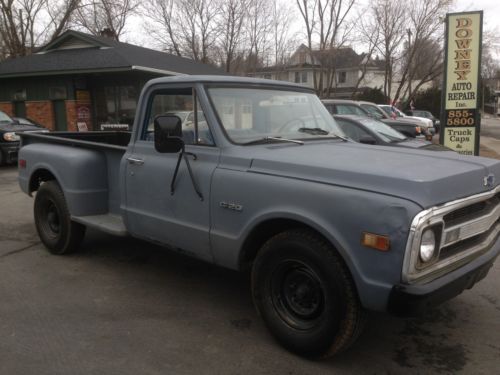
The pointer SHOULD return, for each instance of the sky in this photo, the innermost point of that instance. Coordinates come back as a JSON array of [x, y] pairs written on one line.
[[491, 10]]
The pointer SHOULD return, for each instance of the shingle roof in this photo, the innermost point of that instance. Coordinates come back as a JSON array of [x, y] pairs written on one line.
[[106, 55]]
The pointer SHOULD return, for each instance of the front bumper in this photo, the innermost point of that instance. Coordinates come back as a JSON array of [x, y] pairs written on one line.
[[413, 299], [9, 151]]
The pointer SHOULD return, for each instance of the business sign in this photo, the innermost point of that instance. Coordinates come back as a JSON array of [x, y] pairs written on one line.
[[460, 118]]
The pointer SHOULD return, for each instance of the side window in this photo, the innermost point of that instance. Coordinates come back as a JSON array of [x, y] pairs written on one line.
[[181, 103], [349, 129]]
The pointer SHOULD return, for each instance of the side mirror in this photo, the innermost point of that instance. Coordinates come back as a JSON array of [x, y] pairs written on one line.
[[368, 140], [168, 134]]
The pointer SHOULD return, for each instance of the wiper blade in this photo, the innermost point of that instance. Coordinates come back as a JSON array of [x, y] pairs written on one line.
[[271, 140]]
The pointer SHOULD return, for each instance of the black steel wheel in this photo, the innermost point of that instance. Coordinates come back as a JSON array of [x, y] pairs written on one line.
[[305, 294], [53, 222]]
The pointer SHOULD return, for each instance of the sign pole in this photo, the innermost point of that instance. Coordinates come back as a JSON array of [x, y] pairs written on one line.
[[460, 116]]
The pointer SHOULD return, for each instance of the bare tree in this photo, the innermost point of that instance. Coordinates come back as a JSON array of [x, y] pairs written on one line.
[[391, 17], [258, 29], [424, 29], [282, 40], [162, 24], [26, 24], [96, 16], [327, 22], [368, 31], [231, 22], [185, 27]]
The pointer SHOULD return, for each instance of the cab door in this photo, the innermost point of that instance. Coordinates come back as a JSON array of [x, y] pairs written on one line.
[[181, 219]]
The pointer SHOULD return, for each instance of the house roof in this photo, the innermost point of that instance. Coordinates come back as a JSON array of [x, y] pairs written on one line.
[[344, 58], [76, 52]]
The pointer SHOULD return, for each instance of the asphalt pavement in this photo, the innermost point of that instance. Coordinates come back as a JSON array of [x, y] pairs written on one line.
[[125, 307]]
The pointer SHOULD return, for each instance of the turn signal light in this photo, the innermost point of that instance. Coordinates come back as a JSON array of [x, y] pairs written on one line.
[[375, 241]]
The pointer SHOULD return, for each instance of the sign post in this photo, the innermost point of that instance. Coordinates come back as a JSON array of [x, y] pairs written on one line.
[[460, 117]]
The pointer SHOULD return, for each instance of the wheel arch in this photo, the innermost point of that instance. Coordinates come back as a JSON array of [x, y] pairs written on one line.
[[267, 228], [40, 175]]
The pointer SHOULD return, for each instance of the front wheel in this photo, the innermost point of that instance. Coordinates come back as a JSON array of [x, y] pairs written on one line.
[[305, 294], [53, 222]]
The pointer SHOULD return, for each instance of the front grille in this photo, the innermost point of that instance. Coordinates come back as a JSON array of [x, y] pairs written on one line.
[[471, 212]]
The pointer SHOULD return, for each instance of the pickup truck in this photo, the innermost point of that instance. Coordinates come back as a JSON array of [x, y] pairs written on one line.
[[267, 183]]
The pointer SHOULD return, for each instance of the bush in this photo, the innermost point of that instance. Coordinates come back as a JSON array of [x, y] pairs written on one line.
[[429, 100], [374, 95]]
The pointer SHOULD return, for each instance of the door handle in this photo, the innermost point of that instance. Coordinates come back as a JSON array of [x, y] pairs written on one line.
[[135, 161]]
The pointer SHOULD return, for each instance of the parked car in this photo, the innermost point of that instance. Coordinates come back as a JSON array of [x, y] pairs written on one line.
[[328, 227], [9, 140], [371, 131], [352, 107], [27, 121], [393, 112], [425, 114]]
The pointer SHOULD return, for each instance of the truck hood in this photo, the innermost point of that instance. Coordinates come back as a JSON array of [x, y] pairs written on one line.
[[425, 177]]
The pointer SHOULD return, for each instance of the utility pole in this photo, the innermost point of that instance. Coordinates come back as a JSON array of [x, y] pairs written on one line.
[[409, 64]]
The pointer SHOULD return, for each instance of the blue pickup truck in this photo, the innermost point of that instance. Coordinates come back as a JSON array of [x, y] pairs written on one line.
[[263, 180]]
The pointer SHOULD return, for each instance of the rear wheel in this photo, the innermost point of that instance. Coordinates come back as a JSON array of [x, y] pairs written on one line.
[[305, 294], [53, 221]]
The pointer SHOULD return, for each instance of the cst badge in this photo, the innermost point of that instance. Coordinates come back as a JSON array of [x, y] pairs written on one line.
[[489, 180]]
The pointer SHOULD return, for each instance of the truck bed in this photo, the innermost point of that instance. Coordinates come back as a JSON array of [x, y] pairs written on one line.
[[117, 140]]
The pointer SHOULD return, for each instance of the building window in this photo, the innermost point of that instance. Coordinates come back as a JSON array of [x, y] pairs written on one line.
[[300, 77], [116, 104], [57, 93], [268, 76], [19, 95], [302, 58], [342, 77]]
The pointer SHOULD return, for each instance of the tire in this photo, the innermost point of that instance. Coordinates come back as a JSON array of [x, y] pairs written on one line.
[[305, 294], [53, 222]]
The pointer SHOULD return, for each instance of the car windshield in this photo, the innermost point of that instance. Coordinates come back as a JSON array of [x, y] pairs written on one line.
[[350, 109], [375, 111], [387, 133], [4, 117], [252, 114]]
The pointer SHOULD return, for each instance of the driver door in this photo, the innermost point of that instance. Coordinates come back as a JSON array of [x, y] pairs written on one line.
[[180, 220]]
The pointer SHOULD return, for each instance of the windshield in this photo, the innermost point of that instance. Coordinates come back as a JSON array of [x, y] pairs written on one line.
[[4, 117], [375, 111], [387, 133], [250, 114]]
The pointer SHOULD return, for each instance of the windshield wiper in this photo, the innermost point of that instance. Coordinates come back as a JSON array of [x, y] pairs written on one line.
[[271, 140]]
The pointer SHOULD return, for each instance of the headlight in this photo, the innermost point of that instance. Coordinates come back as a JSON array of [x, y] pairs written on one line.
[[11, 136], [427, 245]]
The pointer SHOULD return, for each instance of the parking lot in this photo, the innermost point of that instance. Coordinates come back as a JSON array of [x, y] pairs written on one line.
[[126, 307]]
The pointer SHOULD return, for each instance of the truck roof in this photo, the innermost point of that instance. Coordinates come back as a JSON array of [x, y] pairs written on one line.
[[226, 79]]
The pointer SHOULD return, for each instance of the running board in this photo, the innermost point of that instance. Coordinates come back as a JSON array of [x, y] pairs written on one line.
[[112, 224]]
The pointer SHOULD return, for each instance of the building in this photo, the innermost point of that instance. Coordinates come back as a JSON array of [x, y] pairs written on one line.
[[345, 63], [81, 81]]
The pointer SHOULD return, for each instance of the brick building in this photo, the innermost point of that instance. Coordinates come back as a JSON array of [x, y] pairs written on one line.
[[85, 81]]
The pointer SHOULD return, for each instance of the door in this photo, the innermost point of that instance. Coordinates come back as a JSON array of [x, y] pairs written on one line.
[[60, 115], [20, 109], [181, 219]]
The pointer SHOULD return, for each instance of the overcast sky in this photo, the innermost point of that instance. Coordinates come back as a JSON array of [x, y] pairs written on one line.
[[491, 10]]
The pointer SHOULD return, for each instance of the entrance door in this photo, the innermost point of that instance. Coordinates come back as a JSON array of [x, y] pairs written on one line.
[[60, 115], [20, 109], [181, 219]]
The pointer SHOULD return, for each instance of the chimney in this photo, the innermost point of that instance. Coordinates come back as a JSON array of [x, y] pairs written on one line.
[[108, 33]]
